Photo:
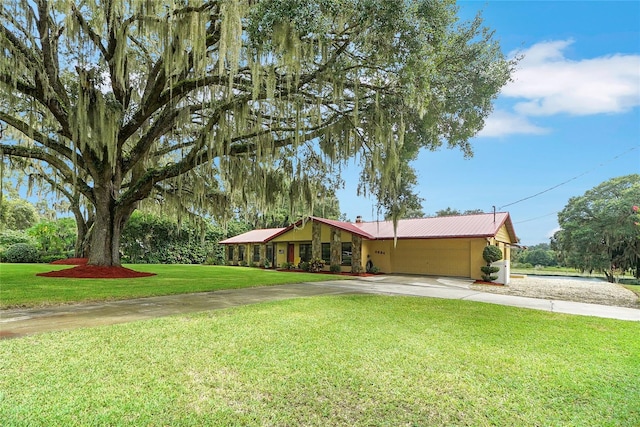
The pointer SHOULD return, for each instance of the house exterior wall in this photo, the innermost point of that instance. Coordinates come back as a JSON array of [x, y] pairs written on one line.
[[306, 235], [379, 252], [280, 249], [503, 235]]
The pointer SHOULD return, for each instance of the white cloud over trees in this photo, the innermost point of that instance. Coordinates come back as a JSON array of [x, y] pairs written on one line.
[[547, 83]]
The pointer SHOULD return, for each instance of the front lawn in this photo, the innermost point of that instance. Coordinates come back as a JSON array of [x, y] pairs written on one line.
[[20, 287], [330, 361]]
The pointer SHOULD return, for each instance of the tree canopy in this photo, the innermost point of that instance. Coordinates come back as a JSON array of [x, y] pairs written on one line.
[[455, 212], [207, 105], [600, 230]]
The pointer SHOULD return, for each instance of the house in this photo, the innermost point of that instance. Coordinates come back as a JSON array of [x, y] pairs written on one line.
[[440, 246]]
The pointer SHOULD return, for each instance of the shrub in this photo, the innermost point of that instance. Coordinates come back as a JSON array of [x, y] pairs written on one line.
[[304, 265], [488, 269], [286, 265], [242, 263], [315, 265], [11, 237], [335, 268], [490, 254], [21, 253], [47, 259]]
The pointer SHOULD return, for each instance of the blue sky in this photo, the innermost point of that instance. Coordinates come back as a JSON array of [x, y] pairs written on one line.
[[572, 114]]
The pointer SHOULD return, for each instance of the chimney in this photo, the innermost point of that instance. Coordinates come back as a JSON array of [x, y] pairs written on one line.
[[358, 219]]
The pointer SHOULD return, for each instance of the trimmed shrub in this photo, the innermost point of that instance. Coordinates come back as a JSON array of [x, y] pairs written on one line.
[[47, 259], [490, 254], [488, 269], [21, 253], [335, 268]]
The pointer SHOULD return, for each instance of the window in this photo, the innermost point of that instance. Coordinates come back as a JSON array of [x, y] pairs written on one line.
[[305, 252], [241, 253], [346, 253], [256, 253], [326, 252], [230, 258], [270, 253]]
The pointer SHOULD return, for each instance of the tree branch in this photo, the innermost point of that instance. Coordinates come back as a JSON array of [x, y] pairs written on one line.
[[37, 136], [55, 162]]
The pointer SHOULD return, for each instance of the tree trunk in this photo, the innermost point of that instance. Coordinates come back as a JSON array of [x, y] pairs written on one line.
[[83, 231], [106, 232]]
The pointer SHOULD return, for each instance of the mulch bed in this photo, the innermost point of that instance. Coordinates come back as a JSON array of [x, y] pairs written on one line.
[[481, 282], [84, 271]]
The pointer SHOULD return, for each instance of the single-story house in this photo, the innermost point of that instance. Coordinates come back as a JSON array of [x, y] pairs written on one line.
[[440, 246]]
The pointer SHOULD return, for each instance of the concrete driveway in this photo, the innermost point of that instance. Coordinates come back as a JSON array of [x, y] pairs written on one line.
[[19, 322]]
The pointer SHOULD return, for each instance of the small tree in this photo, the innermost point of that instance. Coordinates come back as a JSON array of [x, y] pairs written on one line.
[[490, 254]]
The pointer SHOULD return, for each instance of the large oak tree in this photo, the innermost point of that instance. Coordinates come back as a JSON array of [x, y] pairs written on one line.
[[600, 230], [224, 102]]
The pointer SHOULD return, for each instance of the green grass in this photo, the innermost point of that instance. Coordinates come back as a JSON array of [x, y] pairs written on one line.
[[337, 361], [20, 287]]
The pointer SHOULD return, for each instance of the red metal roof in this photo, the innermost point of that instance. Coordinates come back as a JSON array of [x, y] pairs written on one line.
[[253, 236], [479, 225], [352, 228]]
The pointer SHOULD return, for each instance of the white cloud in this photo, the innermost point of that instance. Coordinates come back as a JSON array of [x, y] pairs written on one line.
[[502, 123], [552, 84], [551, 233]]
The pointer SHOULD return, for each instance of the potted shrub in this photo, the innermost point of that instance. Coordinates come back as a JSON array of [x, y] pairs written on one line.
[[490, 254]]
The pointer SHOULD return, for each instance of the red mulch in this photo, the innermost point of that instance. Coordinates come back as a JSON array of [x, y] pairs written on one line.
[[71, 261], [96, 272]]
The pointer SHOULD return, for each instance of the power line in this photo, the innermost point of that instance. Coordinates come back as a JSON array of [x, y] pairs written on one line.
[[533, 219], [569, 180]]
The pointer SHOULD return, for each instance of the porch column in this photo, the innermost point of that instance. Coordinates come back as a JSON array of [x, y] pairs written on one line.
[[336, 246], [356, 254], [235, 254], [316, 241], [263, 254]]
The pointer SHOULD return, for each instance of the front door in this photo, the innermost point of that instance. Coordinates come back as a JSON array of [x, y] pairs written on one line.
[[291, 252]]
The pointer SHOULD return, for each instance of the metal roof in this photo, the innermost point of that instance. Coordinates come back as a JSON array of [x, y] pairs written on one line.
[[352, 228], [253, 236], [479, 225]]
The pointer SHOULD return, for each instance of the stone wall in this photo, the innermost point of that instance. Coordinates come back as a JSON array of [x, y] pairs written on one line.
[[316, 240], [336, 246], [356, 254]]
